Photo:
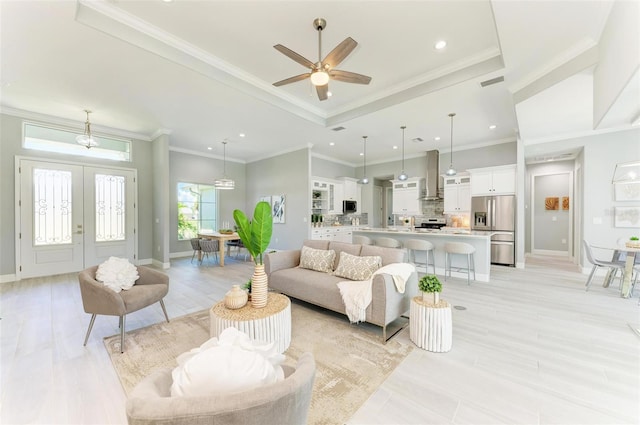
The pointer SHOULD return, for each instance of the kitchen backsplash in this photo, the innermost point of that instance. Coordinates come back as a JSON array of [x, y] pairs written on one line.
[[433, 208]]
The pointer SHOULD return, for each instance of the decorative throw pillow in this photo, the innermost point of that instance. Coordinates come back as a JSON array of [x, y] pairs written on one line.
[[117, 274], [354, 267], [320, 260], [229, 363]]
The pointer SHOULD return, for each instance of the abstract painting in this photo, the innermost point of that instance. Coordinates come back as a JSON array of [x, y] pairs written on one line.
[[551, 203], [278, 208], [565, 203], [627, 217]]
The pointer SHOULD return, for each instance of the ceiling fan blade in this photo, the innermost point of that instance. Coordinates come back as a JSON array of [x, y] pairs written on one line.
[[296, 57], [292, 79], [323, 92], [339, 53], [349, 77]]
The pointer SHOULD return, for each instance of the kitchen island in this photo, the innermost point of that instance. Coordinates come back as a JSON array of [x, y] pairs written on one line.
[[480, 240]]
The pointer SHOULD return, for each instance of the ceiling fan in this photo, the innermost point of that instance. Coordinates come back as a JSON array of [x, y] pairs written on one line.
[[324, 70]]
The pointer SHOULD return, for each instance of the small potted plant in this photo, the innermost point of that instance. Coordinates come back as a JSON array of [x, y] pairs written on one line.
[[431, 287], [633, 242]]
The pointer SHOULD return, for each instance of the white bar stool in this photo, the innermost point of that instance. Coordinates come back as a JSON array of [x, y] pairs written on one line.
[[460, 248], [362, 240], [413, 245], [388, 243]]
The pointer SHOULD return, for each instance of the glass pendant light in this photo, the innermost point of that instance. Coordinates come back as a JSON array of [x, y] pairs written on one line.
[[86, 139], [451, 171], [224, 183], [403, 175], [364, 179]]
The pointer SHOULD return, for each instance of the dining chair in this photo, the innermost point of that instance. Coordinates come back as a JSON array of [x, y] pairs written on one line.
[[614, 266], [209, 246], [195, 245]]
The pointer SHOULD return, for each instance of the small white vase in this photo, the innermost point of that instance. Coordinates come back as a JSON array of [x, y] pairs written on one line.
[[431, 297], [235, 298]]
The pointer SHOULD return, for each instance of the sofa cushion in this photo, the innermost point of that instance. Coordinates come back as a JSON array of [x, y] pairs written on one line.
[[388, 255], [320, 260], [349, 248], [316, 244], [355, 267]]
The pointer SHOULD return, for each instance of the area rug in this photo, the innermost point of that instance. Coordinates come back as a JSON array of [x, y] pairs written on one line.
[[351, 360]]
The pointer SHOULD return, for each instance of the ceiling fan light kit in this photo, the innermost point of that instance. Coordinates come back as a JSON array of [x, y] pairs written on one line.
[[324, 70], [86, 139]]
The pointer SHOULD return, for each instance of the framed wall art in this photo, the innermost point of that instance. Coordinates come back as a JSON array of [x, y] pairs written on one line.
[[551, 203], [627, 217], [628, 191], [278, 203]]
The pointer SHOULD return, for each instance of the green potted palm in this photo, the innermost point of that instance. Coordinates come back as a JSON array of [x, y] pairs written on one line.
[[431, 287], [256, 235]]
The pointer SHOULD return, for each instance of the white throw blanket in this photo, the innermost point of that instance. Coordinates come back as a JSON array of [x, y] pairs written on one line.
[[357, 295]]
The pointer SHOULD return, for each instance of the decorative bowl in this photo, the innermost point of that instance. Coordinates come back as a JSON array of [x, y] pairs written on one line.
[[225, 231]]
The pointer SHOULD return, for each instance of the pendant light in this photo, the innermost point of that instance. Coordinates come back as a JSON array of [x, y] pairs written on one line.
[[451, 171], [364, 179], [224, 183], [403, 175], [86, 139]]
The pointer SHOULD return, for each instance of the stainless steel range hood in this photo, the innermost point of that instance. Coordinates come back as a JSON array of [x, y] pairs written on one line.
[[433, 176]]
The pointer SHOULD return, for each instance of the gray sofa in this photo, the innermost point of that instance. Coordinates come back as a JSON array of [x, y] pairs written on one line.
[[320, 288]]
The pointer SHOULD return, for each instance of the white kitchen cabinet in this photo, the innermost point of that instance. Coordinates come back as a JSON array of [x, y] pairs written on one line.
[[326, 196], [493, 180], [352, 190], [335, 233], [335, 198], [407, 196], [457, 194]]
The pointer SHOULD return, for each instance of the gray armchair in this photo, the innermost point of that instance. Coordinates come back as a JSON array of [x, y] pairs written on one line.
[[284, 402], [150, 288]]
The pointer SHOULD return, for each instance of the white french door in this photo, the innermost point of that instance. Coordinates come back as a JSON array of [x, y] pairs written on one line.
[[73, 216]]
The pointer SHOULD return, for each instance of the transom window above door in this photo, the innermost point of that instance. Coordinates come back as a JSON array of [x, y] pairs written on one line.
[[50, 139]]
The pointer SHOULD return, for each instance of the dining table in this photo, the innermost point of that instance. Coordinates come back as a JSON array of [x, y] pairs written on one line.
[[630, 261], [221, 238]]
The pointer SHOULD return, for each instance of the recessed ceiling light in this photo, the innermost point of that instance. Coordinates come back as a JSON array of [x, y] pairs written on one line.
[[167, 1], [436, 138], [395, 147], [329, 94], [241, 134], [440, 44], [209, 148], [332, 144], [492, 127], [361, 154]]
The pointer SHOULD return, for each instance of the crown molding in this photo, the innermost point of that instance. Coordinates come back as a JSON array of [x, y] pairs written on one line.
[[204, 154], [161, 132]]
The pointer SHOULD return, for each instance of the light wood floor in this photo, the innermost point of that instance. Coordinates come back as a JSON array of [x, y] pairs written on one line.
[[531, 347]]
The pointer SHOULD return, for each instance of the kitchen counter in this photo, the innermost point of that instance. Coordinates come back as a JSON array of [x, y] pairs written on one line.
[[480, 240]]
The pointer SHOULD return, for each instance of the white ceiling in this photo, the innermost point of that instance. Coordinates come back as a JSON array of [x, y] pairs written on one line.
[[203, 71]]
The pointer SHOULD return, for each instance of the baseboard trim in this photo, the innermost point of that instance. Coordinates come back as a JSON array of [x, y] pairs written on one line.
[[5, 278], [160, 264], [550, 252]]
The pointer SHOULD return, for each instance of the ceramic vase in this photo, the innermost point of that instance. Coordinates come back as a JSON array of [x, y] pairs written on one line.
[[431, 297], [259, 287], [235, 298]]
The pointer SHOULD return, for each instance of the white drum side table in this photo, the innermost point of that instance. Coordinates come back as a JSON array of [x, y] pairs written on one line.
[[430, 325], [270, 324]]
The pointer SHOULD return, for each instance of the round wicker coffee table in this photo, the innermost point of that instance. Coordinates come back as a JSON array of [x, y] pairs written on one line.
[[270, 324]]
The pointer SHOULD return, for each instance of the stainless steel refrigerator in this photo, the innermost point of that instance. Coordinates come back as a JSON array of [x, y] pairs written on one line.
[[498, 215]]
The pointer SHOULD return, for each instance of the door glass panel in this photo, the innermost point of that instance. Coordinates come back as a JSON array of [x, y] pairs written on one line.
[[110, 208], [52, 207]]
